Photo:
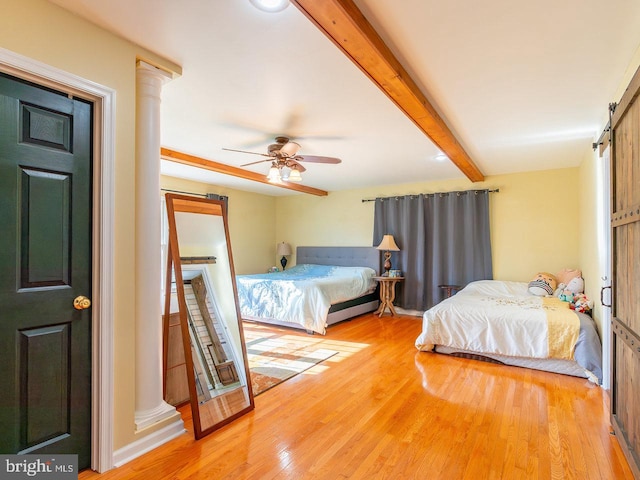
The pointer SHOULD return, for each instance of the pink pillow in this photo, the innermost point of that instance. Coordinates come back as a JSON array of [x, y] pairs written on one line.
[[567, 274]]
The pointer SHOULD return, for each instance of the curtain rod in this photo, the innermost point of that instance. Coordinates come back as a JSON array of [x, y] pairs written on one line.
[[186, 193], [463, 192]]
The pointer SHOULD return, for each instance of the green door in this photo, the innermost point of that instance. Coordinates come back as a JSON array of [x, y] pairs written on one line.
[[45, 263]]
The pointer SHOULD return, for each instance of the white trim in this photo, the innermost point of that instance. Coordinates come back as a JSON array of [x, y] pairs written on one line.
[[149, 442], [163, 74], [104, 98], [151, 417], [605, 312]]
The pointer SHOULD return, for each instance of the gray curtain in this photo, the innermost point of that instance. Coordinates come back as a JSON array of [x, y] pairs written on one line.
[[444, 239]]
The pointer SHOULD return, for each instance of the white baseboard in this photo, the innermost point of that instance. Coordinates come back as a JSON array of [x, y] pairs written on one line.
[[414, 313], [148, 443]]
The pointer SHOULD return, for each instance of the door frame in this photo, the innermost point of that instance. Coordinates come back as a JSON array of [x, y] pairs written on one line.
[[605, 266], [102, 321]]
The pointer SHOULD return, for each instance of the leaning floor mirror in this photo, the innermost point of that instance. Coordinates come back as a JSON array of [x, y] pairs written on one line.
[[200, 285]]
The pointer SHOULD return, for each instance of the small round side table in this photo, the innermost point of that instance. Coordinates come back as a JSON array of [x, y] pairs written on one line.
[[387, 293]]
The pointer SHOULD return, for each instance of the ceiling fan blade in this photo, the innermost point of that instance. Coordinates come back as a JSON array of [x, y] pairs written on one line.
[[319, 137], [254, 163], [244, 151], [316, 159]]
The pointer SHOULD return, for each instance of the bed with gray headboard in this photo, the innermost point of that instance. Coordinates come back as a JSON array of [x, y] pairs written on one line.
[[253, 289]]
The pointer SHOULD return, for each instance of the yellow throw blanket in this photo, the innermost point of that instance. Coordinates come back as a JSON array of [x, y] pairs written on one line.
[[564, 327]]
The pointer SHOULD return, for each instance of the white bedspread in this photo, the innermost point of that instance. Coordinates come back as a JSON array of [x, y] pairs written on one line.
[[302, 294], [492, 317]]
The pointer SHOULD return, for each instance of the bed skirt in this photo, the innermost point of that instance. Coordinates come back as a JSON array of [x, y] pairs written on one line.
[[565, 367]]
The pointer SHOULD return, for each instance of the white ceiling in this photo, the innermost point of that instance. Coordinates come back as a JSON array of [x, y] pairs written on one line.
[[524, 85]]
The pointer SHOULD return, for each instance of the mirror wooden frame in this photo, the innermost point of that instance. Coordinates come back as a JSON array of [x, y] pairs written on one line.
[[187, 204]]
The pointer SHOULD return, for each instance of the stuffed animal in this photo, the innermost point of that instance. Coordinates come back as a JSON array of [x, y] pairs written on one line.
[[567, 274], [574, 287], [581, 303], [542, 285], [565, 295]]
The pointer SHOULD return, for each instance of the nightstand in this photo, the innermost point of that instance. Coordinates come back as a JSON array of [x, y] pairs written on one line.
[[449, 289], [387, 293]]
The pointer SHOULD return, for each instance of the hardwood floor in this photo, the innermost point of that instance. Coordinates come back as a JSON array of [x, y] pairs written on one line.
[[381, 409]]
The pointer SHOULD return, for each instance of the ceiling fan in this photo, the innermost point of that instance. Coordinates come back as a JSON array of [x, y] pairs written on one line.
[[284, 154]]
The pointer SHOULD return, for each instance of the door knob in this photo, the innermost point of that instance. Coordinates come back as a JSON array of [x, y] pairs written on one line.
[[81, 302]]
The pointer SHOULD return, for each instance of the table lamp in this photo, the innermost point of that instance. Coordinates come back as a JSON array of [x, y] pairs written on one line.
[[388, 244], [283, 249]]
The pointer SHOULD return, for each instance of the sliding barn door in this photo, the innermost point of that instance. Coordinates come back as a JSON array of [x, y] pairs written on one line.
[[625, 231]]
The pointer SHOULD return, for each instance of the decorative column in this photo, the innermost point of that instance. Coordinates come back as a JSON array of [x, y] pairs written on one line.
[[150, 406]]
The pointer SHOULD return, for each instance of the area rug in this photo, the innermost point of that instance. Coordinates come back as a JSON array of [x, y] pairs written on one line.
[[276, 358]]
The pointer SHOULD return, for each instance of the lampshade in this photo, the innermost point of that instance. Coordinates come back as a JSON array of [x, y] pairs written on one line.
[[294, 175], [274, 174], [283, 249], [388, 243]]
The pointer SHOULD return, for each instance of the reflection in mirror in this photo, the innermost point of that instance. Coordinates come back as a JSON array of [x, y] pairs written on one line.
[[200, 286]]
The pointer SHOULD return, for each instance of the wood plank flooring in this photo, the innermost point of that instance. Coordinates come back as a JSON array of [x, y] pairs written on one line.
[[381, 409]]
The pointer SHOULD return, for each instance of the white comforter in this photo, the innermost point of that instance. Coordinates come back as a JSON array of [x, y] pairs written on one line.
[[302, 294], [489, 316]]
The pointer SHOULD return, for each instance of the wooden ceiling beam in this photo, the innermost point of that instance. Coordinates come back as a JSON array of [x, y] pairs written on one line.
[[193, 161], [346, 26]]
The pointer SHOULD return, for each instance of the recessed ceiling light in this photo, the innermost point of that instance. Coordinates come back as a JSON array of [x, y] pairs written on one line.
[[440, 157], [270, 5]]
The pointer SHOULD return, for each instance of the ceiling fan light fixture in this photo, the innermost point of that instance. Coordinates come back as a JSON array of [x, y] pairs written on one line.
[[286, 164], [270, 6]]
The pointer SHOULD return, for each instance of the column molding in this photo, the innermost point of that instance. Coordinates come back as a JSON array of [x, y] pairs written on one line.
[[150, 407]]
